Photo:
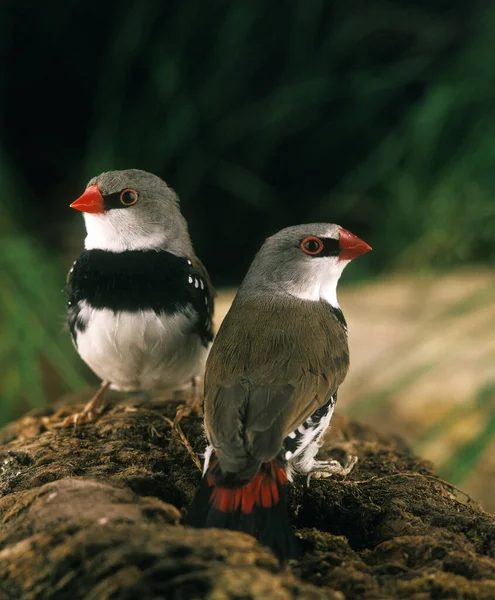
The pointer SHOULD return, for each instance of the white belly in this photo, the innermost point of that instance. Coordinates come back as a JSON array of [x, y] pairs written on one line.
[[141, 350]]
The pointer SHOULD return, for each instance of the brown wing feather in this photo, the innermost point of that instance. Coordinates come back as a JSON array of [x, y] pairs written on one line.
[[265, 380]]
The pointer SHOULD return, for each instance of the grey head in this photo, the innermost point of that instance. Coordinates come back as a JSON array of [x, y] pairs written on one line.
[[304, 261], [133, 210]]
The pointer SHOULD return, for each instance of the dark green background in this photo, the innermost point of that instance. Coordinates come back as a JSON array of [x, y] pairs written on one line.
[[379, 116]]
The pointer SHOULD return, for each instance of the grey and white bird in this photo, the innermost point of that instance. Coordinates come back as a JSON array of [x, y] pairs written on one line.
[[271, 382], [140, 303]]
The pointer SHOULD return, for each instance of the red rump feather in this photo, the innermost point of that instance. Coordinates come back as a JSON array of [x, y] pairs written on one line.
[[262, 490], [258, 507]]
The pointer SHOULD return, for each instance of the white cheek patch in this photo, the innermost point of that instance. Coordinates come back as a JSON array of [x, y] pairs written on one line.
[[320, 280], [114, 233]]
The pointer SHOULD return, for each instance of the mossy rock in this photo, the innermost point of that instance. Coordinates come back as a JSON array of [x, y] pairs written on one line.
[[95, 513]]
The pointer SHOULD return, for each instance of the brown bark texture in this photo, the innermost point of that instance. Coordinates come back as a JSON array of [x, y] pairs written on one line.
[[96, 513]]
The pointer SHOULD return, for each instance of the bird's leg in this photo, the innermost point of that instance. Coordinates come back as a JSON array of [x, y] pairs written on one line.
[[89, 412], [321, 469], [192, 405]]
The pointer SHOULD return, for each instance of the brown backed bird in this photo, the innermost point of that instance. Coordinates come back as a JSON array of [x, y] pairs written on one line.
[[271, 383]]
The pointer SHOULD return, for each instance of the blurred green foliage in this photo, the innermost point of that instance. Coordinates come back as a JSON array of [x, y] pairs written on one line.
[[382, 121], [376, 115], [35, 351]]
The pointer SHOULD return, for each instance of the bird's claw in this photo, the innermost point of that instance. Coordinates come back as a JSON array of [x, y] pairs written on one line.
[[89, 412], [85, 416], [191, 406], [326, 468], [186, 410]]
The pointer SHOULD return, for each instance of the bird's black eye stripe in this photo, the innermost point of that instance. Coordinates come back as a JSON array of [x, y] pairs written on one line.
[[123, 199], [317, 247]]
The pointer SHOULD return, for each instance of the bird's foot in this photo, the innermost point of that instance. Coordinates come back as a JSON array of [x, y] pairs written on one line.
[[192, 405], [322, 469], [79, 418], [89, 412], [187, 409]]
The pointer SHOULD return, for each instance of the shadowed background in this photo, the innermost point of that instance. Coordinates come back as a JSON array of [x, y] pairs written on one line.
[[375, 115]]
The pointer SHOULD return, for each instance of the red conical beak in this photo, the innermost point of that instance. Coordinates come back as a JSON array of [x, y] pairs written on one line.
[[90, 202], [351, 246]]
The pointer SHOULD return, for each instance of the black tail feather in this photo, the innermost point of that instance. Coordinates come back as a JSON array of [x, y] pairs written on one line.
[[265, 516]]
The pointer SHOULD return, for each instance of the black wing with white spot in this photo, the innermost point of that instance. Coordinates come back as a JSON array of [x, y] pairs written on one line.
[[308, 432], [203, 299], [73, 309], [138, 280]]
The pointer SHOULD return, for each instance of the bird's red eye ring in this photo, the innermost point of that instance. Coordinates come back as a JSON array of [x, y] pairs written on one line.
[[128, 197], [312, 245]]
